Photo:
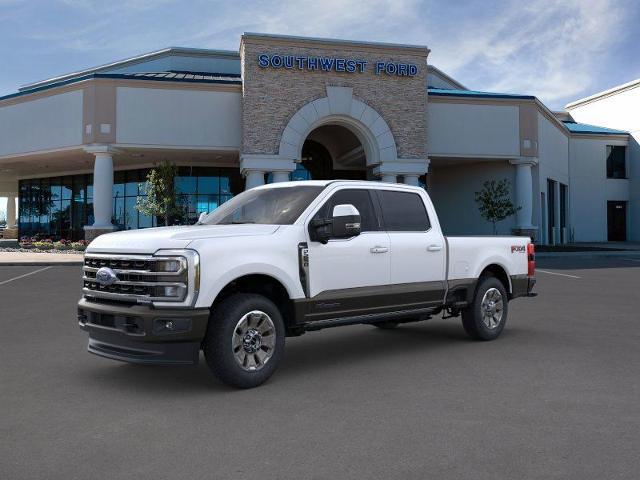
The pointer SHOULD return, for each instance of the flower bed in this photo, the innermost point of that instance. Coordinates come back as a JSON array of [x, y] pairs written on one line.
[[47, 244]]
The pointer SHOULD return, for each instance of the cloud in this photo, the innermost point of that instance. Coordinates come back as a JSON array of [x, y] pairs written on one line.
[[557, 50], [547, 48]]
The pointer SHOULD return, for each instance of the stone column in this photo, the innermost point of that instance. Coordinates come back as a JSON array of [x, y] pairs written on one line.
[[524, 196], [280, 176], [102, 191], [253, 178], [254, 165], [389, 178], [412, 180], [410, 169], [11, 212]]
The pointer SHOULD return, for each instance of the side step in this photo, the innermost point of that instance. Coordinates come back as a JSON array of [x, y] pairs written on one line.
[[407, 315]]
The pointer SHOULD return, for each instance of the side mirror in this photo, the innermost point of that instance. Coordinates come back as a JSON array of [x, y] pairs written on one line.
[[346, 221], [201, 217]]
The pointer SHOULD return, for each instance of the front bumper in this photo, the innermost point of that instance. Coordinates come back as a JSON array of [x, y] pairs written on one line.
[[141, 334]]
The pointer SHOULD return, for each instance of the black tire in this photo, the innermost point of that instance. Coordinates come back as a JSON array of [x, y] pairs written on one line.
[[386, 325], [472, 317], [221, 333]]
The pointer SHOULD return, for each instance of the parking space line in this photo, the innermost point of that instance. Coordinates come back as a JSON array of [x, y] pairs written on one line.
[[25, 275], [556, 273]]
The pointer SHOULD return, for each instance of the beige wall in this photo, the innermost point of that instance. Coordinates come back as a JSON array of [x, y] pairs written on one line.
[[272, 96], [620, 110], [172, 117], [473, 129], [452, 189], [45, 123], [589, 188]]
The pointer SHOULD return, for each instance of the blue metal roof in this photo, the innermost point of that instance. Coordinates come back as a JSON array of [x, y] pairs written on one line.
[[575, 127], [188, 77], [444, 92]]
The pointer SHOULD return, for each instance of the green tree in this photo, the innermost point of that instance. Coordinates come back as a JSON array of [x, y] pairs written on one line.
[[161, 199], [494, 202]]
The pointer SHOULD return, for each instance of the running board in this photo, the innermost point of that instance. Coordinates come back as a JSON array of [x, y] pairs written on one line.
[[402, 316]]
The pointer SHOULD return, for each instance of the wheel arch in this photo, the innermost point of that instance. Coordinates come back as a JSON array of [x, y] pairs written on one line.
[[498, 271], [263, 284]]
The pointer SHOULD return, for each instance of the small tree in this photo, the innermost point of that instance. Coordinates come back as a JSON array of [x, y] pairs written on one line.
[[161, 199], [494, 202]]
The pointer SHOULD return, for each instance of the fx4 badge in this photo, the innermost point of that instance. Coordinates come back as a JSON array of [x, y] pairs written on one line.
[[518, 249]]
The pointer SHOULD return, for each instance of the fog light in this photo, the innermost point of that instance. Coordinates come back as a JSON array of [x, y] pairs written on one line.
[[171, 325]]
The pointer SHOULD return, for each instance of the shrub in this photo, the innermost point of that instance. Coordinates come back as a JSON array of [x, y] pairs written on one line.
[[81, 245]]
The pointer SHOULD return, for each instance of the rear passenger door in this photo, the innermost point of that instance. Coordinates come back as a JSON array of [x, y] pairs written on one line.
[[418, 253]]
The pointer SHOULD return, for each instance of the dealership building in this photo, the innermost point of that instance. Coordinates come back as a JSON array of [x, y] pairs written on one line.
[[75, 149]]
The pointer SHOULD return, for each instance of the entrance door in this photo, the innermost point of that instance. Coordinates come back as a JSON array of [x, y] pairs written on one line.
[[551, 211], [617, 221]]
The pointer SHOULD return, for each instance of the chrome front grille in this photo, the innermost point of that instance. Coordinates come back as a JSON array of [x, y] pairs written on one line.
[[136, 278]]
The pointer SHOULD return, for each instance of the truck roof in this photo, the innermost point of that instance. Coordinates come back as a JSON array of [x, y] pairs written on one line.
[[324, 183]]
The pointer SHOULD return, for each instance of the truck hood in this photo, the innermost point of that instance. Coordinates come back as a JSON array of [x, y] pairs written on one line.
[[150, 240]]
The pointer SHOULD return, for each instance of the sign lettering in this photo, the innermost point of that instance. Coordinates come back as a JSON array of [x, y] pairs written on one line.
[[332, 64]]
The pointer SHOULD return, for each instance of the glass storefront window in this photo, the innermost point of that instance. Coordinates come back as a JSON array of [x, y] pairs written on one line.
[[60, 207]]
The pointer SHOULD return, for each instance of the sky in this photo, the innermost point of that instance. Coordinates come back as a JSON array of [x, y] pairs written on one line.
[[557, 50]]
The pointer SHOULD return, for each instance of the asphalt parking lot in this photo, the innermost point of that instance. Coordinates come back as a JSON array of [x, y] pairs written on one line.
[[557, 396]]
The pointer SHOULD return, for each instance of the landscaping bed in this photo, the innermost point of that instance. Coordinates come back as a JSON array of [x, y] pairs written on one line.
[[47, 245]]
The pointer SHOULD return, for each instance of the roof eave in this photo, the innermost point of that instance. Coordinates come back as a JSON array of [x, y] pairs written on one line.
[[603, 94], [130, 61]]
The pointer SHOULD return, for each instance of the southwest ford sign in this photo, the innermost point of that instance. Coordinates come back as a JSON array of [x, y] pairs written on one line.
[[334, 64]]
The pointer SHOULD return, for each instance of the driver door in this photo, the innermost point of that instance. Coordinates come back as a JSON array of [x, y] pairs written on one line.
[[344, 272]]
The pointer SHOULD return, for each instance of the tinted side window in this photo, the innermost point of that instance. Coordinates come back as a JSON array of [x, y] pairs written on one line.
[[361, 199], [403, 211]]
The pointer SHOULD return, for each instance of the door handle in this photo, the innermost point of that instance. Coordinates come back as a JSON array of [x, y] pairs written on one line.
[[379, 250], [434, 248]]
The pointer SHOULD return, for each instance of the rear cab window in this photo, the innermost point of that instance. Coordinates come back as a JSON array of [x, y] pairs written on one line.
[[403, 211]]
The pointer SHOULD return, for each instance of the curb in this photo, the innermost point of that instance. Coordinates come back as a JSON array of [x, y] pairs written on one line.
[[617, 253], [41, 264]]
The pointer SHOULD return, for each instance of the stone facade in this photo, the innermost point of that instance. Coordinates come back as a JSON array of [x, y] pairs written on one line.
[[272, 96]]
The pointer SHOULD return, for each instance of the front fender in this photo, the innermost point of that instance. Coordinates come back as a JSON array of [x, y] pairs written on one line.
[[211, 289]]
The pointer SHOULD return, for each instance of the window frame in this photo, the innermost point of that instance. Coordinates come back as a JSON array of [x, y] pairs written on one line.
[[608, 150], [372, 198]]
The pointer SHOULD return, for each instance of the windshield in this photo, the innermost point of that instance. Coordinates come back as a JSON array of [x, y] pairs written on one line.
[[273, 206]]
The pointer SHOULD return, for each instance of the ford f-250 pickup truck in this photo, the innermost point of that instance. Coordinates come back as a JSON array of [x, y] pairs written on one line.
[[283, 259]]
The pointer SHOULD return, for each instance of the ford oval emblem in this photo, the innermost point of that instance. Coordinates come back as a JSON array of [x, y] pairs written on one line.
[[105, 276]]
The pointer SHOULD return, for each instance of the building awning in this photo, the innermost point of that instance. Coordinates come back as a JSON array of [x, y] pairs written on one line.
[[477, 94], [170, 76], [585, 128]]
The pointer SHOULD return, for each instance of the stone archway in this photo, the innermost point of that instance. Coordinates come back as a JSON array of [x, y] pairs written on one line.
[[339, 107]]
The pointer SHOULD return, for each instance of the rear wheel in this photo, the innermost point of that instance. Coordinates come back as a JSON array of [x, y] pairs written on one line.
[[485, 318], [245, 340]]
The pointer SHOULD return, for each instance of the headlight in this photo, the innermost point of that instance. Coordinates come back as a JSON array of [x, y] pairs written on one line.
[[179, 282], [171, 266]]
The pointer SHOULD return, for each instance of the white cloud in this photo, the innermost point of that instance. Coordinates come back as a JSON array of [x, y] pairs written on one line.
[[546, 48]]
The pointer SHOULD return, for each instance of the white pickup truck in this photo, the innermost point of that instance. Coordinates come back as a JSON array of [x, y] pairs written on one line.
[[283, 259]]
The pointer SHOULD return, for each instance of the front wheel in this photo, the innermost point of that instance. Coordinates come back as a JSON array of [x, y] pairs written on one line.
[[486, 316], [245, 340]]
